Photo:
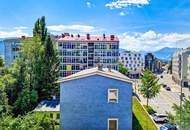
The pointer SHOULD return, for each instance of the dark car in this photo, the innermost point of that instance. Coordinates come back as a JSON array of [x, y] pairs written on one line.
[[164, 85], [168, 127], [161, 76], [168, 88]]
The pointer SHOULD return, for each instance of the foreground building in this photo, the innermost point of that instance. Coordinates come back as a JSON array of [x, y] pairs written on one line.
[[50, 107], [134, 62], [152, 63], [180, 67], [83, 52], [96, 99]]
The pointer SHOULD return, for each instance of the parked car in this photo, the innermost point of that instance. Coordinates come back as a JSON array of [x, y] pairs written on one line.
[[168, 127], [164, 85], [160, 118], [161, 76], [168, 88]]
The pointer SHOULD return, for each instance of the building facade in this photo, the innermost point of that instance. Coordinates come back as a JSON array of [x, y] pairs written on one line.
[[188, 70], [96, 99], [133, 61], [83, 52], [180, 67], [152, 63], [12, 48]]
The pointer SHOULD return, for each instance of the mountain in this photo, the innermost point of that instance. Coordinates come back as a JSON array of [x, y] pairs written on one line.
[[166, 53]]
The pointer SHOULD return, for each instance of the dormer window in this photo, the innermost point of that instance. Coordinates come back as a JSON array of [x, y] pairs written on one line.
[[112, 95]]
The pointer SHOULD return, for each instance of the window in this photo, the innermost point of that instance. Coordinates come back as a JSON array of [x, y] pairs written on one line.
[[58, 116], [112, 95], [51, 115], [112, 124]]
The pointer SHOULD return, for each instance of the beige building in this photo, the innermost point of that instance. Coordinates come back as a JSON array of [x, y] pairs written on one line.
[[180, 67], [188, 71]]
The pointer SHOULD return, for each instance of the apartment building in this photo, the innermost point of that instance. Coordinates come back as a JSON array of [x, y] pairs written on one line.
[[152, 63], [180, 67], [12, 48], [133, 61], [83, 52]]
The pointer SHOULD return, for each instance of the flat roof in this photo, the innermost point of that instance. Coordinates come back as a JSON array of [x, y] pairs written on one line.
[[91, 38], [48, 106]]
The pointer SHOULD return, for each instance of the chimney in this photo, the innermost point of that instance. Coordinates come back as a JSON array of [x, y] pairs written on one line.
[[66, 34], [104, 36], [23, 37], [62, 35], [109, 68], [88, 36], [112, 37], [99, 67]]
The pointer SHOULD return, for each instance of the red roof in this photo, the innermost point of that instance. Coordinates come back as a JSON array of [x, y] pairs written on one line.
[[110, 38]]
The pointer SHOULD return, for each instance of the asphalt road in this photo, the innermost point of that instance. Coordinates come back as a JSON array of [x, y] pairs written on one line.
[[164, 101]]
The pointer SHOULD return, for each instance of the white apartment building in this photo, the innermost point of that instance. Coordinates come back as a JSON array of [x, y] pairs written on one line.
[[12, 47], [133, 61], [180, 67], [83, 52]]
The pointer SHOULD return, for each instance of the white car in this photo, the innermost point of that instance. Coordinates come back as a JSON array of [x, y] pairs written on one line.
[[160, 118]]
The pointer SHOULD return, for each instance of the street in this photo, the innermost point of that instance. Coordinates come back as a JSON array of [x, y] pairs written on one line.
[[164, 101]]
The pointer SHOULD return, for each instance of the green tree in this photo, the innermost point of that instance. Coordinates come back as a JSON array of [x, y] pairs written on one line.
[[150, 87], [123, 69], [49, 65], [1, 61], [3, 100], [40, 29], [30, 121], [184, 123], [25, 102]]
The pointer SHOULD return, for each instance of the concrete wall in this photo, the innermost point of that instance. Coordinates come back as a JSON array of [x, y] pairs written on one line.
[[84, 104]]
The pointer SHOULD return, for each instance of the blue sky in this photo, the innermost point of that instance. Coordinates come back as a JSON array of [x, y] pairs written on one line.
[[147, 24]]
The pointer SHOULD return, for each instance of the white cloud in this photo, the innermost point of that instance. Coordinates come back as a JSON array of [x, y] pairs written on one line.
[[75, 27], [151, 41], [122, 14], [20, 28], [125, 3], [15, 33], [89, 4]]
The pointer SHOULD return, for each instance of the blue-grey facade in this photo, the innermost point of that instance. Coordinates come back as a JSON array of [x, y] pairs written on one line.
[[84, 103]]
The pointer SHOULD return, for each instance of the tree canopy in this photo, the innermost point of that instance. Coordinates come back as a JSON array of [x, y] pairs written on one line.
[[150, 87], [184, 123]]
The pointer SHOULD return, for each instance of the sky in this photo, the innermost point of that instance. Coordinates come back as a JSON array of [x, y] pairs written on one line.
[[141, 25]]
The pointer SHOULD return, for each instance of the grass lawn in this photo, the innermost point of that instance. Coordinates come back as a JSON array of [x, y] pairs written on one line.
[[141, 120]]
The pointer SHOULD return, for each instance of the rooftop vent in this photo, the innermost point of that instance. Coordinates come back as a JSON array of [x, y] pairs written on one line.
[[88, 36], [100, 66]]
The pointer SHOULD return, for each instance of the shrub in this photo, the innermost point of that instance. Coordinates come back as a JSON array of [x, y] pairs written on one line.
[[149, 109]]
